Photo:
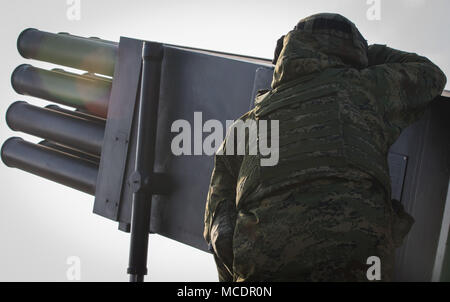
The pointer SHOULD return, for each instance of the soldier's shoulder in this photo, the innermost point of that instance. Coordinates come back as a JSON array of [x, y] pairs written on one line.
[[246, 116], [377, 46], [261, 95], [262, 92]]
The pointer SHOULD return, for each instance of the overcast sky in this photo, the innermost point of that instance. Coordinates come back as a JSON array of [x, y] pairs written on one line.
[[42, 223]]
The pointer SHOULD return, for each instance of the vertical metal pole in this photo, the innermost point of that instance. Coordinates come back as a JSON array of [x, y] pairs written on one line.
[[145, 156]]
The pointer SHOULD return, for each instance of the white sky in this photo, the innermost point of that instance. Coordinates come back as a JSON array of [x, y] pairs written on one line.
[[42, 223]]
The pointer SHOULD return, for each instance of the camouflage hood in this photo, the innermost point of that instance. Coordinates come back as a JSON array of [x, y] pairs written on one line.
[[319, 42]]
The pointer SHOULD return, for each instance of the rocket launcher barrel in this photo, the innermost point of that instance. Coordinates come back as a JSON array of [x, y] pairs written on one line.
[[77, 153], [89, 54], [73, 90], [51, 164], [69, 130], [78, 113]]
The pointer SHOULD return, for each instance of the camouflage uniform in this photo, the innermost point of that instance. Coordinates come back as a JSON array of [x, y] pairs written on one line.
[[325, 207]]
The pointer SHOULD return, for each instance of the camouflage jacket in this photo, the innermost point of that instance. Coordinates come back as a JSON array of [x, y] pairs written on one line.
[[340, 106]]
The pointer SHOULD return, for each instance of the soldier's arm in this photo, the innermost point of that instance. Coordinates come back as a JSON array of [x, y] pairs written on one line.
[[220, 216], [405, 83]]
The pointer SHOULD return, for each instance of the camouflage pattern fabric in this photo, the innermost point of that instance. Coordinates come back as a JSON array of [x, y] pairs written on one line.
[[325, 207], [329, 229]]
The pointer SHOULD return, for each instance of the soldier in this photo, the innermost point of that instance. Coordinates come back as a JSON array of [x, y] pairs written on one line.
[[325, 208]]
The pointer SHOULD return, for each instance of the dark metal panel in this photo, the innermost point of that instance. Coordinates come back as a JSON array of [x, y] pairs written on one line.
[[442, 264], [220, 88], [263, 79], [441, 270], [426, 143], [397, 170], [118, 129], [249, 59]]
